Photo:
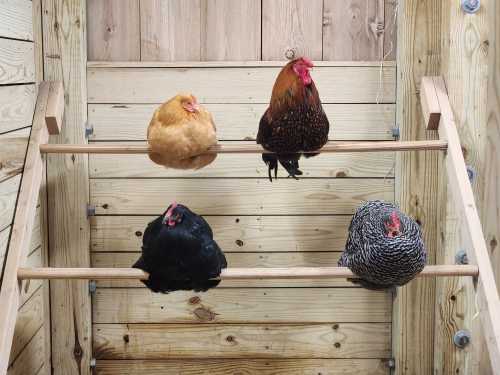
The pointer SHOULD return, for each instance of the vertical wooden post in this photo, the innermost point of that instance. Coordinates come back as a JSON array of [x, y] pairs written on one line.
[[465, 70], [419, 43], [65, 56]]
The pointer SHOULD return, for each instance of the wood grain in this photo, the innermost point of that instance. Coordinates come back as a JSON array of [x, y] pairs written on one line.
[[4, 242], [170, 30], [272, 366], [30, 361], [343, 84], [156, 341], [16, 19], [233, 233], [17, 62], [292, 25], [268, 259], [113, 30], [230, 30], [67, 188], [241, 197], [12, 152], [17, 104], [245, 166], [240, 121], [8, 196], [244, 305], [390, 30], [350, 32]]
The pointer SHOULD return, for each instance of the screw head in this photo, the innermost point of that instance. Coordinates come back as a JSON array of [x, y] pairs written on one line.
[[462, 338], [461, 257], [471, 6]]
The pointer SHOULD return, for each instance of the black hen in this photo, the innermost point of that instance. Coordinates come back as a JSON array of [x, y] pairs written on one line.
[[179, 252], [295, 121], [384, 247]]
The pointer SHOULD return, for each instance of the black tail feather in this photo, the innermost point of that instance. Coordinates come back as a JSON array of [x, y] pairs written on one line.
[[271, 161]]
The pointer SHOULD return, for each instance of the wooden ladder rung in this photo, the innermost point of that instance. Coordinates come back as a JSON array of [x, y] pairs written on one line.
[[230, 273], [247, 148]]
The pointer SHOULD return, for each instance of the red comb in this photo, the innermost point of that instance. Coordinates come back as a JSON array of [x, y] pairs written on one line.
[[307, 61]]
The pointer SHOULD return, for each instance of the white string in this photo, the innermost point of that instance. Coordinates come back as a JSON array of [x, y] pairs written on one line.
[[391, 34]]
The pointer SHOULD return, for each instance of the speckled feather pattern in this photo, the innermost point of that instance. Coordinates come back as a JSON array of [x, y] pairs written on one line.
[[379, 261]]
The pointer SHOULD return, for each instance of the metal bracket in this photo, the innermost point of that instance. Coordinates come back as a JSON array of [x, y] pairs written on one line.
[[462, 338], [92, 286], [461, 257], [90, 210], [391, 363], [93, 363], [471, 6], [471, 172], [89, 130], [396, 133]]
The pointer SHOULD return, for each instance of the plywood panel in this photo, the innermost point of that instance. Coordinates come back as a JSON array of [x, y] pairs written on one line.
[[31, 359], [156, 341], [8, 196], [231, 30], [237, 197], [12, 152], [290, 259], [233, 233], [17, 104], [242, 166], [244, 305], [292, 25], [240, 121], [113, 30], [350, 32], [170, 30], [245, 366], [17, 61], [16, 19], [341, 84], [29, 321]]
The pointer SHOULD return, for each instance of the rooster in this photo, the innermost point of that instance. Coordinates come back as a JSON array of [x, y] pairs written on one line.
[[384, 247], [180, 132], [295, 121], [179, 252]]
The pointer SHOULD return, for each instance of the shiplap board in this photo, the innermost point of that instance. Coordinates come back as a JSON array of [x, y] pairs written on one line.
[[270, 366], [17, 61], [267, 259], [31, 358], [232, 233], [16, 19], [240, 121], [249, 165], [163, 341], [170, 30], [243, 305], [12, 152], [349, 32], [17, 104], [230, 30], [8, 196], [113, 30], [292, 25], [343, 84], [29, 321], [237, 196]]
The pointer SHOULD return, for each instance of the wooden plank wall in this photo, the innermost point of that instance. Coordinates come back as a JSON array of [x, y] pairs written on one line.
[[19, 73], [208, 30]]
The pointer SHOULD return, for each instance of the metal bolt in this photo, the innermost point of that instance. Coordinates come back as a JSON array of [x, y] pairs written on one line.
[[93, 363], [462, 338], [471, 6], [396, 133], [90, 210], [461, 257], [471, 172], [92, 286], [391, 363], [89, 130], [290, 53]]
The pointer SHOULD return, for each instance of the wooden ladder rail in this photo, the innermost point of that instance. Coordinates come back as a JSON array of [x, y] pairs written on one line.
[[47, 120], [438, 115]]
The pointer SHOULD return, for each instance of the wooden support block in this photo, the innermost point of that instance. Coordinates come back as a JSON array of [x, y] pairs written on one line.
[[430, 103], [55, 107]]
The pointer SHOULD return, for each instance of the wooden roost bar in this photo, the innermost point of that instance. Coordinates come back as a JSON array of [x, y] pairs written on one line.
[[412, 89]]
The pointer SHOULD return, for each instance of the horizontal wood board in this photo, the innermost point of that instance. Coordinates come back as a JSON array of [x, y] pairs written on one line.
[[17, 61]]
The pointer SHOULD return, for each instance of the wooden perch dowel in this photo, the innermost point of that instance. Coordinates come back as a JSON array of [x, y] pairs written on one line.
[[228, 274], [111, 148]]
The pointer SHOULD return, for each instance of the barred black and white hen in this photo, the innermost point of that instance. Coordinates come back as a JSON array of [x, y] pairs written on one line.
[[384, 247]]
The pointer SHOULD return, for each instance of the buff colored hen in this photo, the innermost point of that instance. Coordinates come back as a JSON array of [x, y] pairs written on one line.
[[180, 132]]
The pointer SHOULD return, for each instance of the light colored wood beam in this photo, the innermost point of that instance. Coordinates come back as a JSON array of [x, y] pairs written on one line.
[[110, 148], [55, 108], [229, 273]]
